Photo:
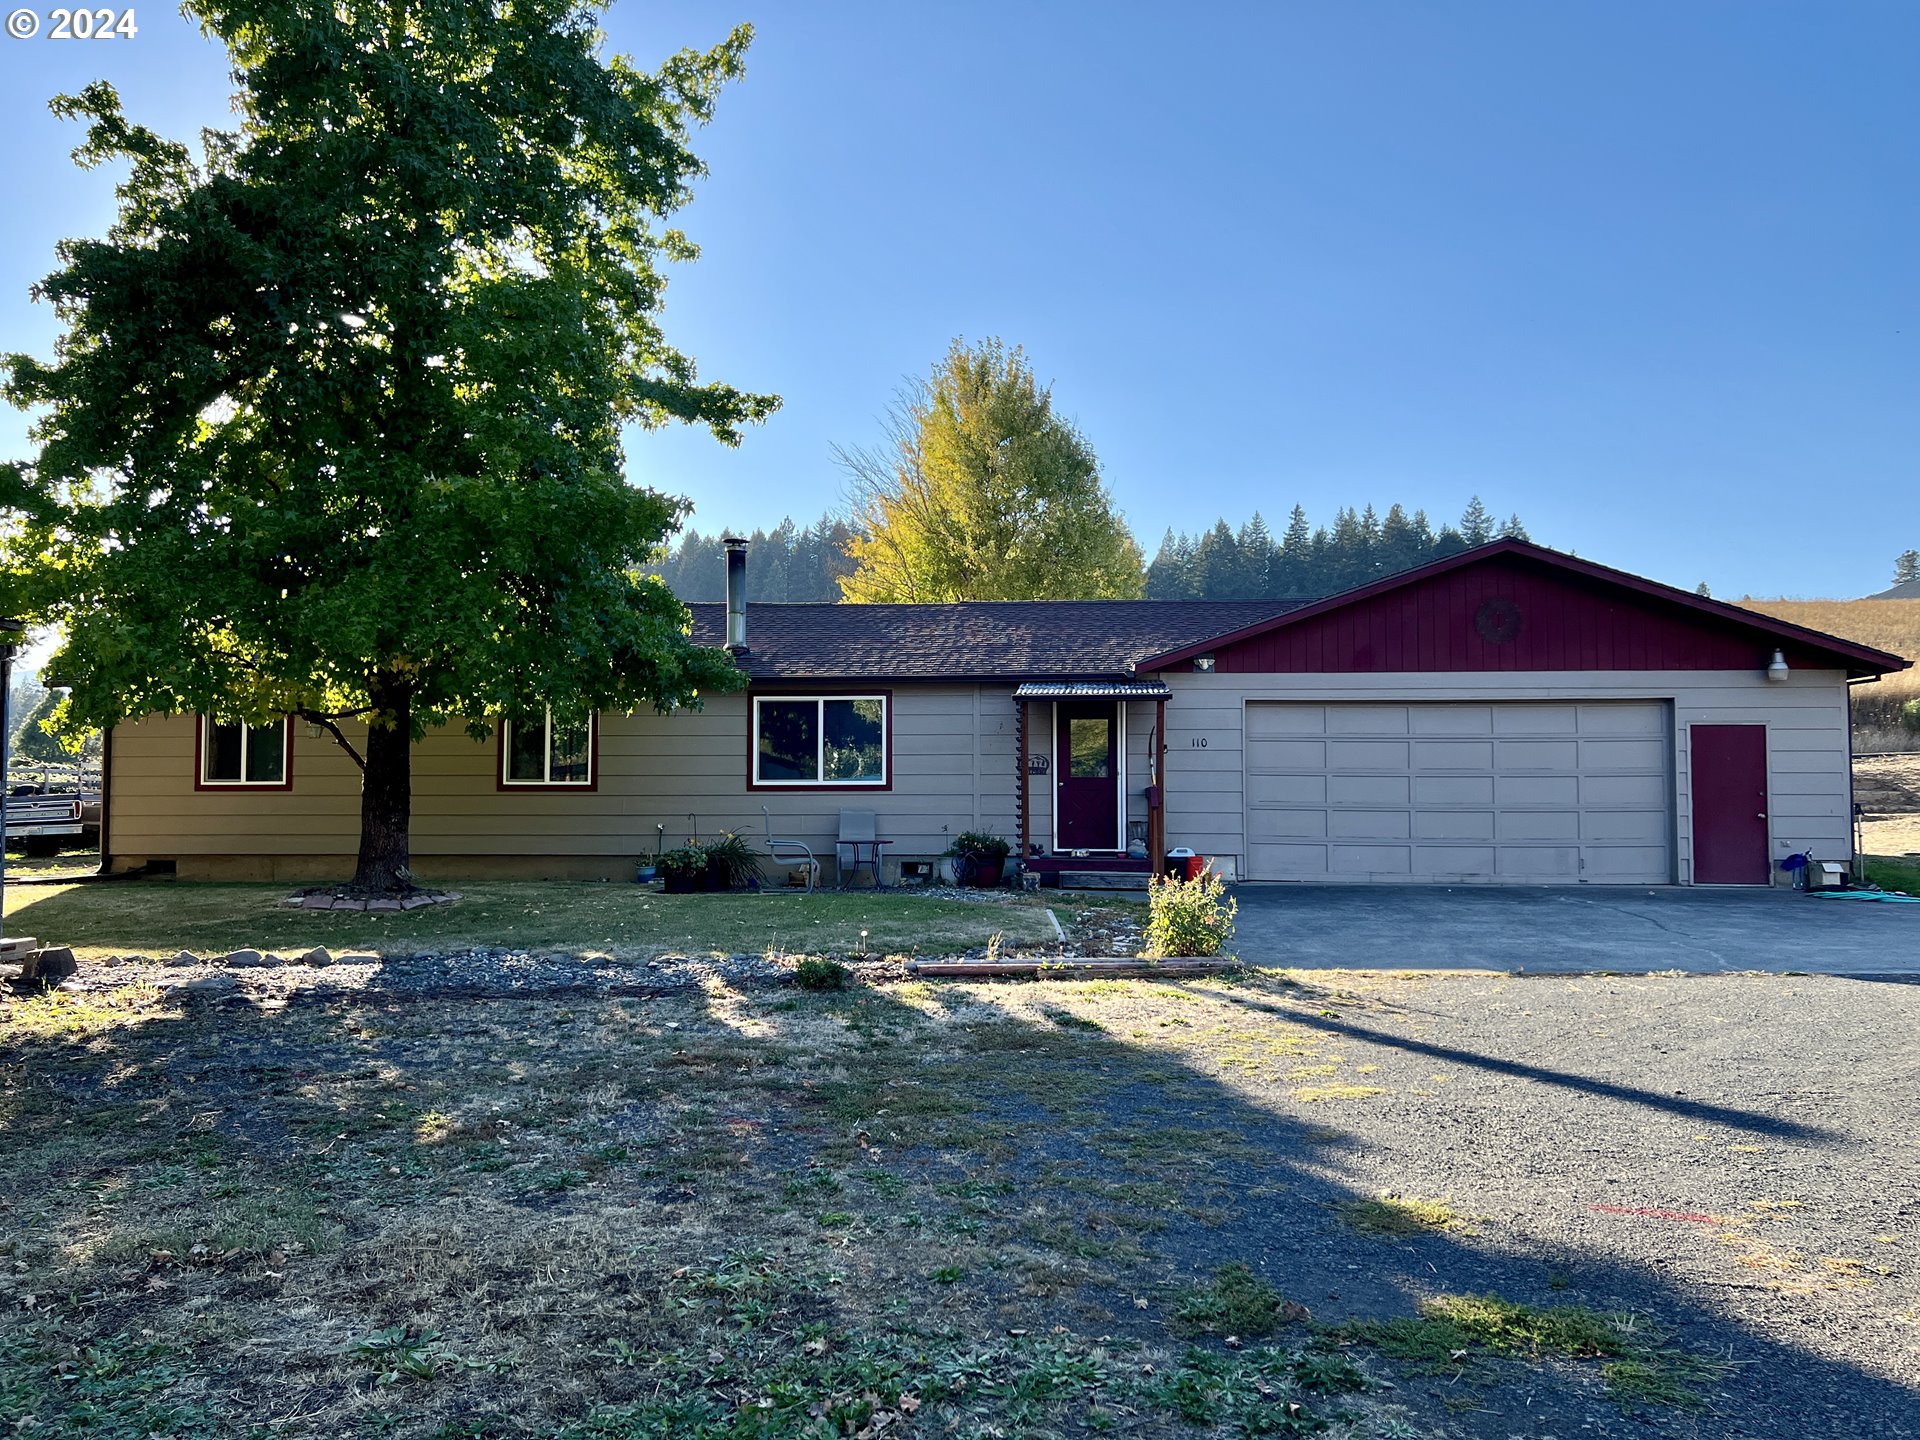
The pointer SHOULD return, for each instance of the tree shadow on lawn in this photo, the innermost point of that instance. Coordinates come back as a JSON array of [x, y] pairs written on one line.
[[1064, 1176]]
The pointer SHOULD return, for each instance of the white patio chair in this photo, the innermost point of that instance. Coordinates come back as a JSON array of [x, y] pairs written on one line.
[[791, 852]]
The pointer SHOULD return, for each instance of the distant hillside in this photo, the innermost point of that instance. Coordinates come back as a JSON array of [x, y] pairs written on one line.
[[1885, 624]]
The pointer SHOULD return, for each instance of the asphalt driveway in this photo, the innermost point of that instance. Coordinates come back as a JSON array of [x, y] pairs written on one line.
[[1327, 927]]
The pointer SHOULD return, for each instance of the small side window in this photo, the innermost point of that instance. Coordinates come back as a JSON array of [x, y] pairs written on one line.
[[235, 754], [537, 751]]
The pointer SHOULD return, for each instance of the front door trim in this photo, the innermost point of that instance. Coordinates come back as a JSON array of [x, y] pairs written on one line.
[[1119, 778]]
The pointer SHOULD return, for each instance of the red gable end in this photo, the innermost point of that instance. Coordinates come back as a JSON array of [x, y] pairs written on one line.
[[1512, 606]]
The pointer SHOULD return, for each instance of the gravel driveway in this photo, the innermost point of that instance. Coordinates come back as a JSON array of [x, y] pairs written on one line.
[[1734, 1157], [1574, 928]]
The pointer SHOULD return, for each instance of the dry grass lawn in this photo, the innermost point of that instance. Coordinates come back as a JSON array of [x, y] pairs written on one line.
[[912, 1210]]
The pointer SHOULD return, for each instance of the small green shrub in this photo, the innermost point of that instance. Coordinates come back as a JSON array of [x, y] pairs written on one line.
[[979, 842], [814, 973], [684, 861], [1188, 917], [1910, 716]]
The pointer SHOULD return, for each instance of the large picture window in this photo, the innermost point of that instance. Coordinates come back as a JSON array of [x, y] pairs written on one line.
[[830, 740], [534, 750], [235, 754]]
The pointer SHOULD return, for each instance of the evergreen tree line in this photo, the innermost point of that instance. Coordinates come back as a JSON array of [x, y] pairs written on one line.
[[1306, 562], [786, 563]]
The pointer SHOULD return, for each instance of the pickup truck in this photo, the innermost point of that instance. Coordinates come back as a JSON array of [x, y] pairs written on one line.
[[41, 822]]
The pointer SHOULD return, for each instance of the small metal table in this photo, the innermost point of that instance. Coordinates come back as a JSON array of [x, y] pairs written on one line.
[[865, 856]]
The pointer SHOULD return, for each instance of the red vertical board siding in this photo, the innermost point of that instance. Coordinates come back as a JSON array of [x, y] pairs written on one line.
[[1566, 623]]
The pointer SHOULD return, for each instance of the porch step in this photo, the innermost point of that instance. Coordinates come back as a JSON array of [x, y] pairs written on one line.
[[1102, 879]]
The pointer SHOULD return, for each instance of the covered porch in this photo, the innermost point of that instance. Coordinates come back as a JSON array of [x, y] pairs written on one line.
[[1090, 790]]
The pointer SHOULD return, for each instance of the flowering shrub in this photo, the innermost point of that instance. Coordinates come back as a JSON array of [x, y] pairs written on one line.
[[1188, 917]]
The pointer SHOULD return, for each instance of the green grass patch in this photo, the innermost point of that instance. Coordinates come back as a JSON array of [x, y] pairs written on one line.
[[1453, 1332], [1235, 1302], [625, 921], [1894, 872]]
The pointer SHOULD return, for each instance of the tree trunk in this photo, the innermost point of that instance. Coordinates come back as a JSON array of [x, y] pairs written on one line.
[[386, 791]]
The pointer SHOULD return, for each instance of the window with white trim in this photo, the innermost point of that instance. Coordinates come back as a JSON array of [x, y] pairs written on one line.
[[243, 754], [541, 752], [820, 740]]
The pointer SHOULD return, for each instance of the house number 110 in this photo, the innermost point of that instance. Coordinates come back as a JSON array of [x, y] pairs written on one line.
[[1198, 742]]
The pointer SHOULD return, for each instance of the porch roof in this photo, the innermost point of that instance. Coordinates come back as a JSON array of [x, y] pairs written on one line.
[[1092, 690]]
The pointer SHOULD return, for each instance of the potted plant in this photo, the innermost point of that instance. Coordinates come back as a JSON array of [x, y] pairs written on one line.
[[684, 869], [732, 864], [978, 858]]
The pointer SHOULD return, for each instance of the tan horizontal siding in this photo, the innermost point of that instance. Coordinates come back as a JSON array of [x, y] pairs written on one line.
[[952, 770]]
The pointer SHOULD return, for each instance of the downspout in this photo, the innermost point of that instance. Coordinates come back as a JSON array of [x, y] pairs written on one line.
[[106, 801]]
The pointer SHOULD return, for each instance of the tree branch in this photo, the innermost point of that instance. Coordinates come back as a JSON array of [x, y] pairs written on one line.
[[325, 722]]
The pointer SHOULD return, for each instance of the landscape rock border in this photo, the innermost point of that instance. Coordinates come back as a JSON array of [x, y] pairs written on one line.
[[325, 899]]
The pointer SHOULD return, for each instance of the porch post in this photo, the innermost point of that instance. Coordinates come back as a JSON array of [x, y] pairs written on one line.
[[1157, 765], [1020, 773]]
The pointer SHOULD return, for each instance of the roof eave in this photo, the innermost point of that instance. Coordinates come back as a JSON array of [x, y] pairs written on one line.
[[1866, 660]]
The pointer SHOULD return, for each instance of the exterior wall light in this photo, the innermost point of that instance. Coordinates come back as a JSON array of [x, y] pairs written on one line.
[[1203, 663], [1777, 668]]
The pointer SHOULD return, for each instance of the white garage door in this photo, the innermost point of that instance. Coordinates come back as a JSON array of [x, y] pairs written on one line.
[[1493, 793]]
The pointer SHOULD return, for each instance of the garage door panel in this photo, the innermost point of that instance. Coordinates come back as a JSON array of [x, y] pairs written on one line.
[[1536, 720], [1287, 862], [1286, 755], [1538, 790], [1264, 721], [1641, 826], [1649, 721], [1453, 825], [1264, 790], [1538, 825], [1367, 754], [1557, 755], [1646, 791], [1452, 720], [1453, 790], [1378, 860], [1513, 792], [1539, 862], [1366, 720], [1459, 863], [1287, 824], [1648, 755], [1626, 863], [1369, 824], [1370, 790], [1452, 755]]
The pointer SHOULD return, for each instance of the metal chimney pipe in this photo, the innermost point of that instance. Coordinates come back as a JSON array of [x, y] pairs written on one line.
[[736, 593]]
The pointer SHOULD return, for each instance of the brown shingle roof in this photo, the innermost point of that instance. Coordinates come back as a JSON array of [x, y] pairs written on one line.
[[973, 640]]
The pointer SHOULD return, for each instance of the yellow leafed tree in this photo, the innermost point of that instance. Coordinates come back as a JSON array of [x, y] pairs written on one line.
[[981, 492]]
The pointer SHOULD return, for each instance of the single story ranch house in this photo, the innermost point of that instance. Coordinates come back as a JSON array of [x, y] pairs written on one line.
[[1508, 715]]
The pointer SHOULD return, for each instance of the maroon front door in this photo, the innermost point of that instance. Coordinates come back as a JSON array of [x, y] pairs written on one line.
[[1087, 770], [1730, 805]]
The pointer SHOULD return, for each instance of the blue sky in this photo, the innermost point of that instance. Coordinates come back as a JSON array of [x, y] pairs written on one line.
[[1647, 274]]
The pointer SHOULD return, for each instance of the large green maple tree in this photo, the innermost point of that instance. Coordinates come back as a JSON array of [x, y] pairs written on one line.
[[334, 425]]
